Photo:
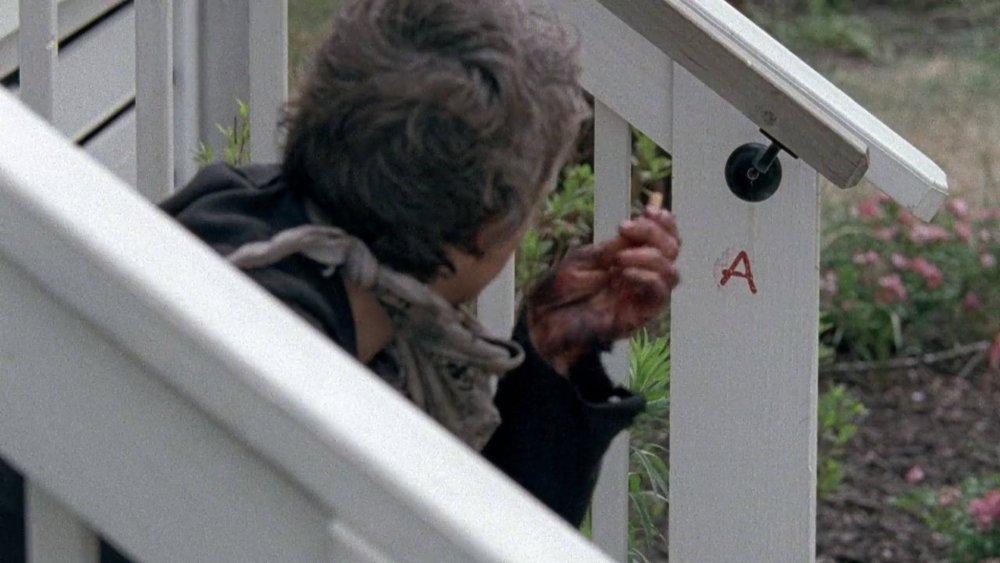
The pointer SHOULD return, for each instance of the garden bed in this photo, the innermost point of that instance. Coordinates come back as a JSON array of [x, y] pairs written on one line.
[[923, 428]]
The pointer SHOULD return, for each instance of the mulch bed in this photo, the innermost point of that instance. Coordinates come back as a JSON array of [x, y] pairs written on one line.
[[946, 425]]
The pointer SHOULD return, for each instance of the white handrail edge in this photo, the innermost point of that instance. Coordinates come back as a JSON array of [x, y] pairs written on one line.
[[926, 185]]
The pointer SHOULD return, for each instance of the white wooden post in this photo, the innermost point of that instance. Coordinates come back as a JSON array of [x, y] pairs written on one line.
[[743, 420], [38, 49], [54, 534], [154, 105], [187, 88], [612, 205], [223, 60], [268, 47]]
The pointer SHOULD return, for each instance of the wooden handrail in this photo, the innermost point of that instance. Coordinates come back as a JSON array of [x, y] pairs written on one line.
[[781, 94]]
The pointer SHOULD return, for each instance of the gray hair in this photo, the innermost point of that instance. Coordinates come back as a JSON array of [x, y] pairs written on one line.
[[424, 120]]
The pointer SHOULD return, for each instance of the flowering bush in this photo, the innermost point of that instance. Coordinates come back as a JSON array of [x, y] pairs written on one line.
[[892, 284], [966, 517]]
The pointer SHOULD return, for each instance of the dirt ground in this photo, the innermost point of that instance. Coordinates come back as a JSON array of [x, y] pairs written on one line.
[[939, 86], [947, 426]]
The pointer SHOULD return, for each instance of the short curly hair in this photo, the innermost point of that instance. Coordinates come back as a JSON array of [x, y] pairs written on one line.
[[424, 120]]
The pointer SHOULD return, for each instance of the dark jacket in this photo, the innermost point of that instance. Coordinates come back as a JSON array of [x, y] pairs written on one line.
[[554, 431]]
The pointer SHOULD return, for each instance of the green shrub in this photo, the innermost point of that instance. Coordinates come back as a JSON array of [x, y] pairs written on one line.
[[237, 141], [966, 517], [566, 221], [649, 474], [839, 416], [811, 26], [893, 284]]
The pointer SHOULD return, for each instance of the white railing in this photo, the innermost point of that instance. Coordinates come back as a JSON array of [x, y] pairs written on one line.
[[692, 74], [180, 410]]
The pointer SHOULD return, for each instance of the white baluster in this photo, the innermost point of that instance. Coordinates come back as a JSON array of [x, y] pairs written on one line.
[[38, 49], [612, 201], [154, 102], [268, 48]]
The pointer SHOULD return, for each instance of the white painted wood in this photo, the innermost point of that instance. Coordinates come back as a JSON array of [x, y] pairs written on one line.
[[620, 67], [186, 90], [114, 147], [703, 37], [72, 16], [744, 364], [349, 546], [223, 60], [612, 205], [101, 64], [154, 103], [268, 74], [38, 48], [771, 86], [96, 75], [242, 367], [87, 421], [54, 534], [495, 307]]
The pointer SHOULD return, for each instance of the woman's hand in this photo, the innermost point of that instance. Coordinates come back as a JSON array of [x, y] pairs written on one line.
[[601, 293]]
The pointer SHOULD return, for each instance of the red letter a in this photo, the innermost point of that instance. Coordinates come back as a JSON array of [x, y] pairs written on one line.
[[747, 273]]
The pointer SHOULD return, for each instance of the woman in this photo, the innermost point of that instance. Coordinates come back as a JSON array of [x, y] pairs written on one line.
[[417, 153]]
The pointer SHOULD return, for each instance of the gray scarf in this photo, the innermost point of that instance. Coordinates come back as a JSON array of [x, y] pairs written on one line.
[[439, 357]]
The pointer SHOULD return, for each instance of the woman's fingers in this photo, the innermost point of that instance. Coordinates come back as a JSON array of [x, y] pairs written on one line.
[[649, 259], [644, 231], [603, 255], [664, 218]]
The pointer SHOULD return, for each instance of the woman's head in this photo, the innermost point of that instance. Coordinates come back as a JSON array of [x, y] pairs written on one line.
[[423, 121]]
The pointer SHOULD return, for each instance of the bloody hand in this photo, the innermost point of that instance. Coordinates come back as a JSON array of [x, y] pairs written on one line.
[[600, 293]]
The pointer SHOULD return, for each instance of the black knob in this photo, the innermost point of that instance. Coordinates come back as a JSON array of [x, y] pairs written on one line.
[[753, 171]]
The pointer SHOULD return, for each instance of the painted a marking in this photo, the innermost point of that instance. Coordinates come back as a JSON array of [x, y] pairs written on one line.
[[746, 273]]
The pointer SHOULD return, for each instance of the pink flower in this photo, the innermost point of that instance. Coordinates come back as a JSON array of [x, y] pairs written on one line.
[[927, 270], [987, 260], [870, 209], [905, 217], [886, 233], [959, 207], [900, 262], [915, 475], [985, 235], [922, 233], [891, 289], [972, 302], [986, 509], [830, 283], [963, 231], [869, 258]]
